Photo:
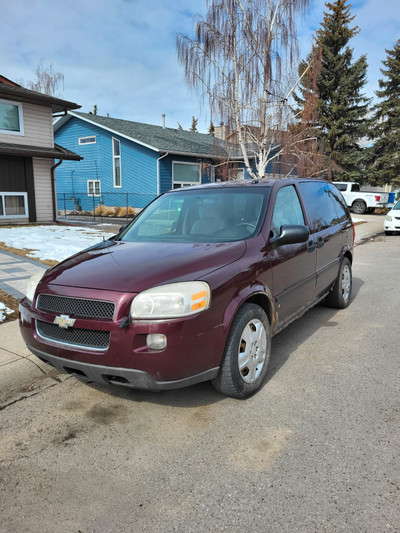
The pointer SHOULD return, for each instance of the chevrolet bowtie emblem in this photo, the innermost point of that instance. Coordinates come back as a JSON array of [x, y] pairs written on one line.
[[64, 321]]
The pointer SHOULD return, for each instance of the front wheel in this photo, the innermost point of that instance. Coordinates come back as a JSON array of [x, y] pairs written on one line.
[[339, 297], [247, 352]]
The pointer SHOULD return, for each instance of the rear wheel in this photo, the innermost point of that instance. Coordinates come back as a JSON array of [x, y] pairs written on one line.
[[359, 207], [247, 353], [339, 297]]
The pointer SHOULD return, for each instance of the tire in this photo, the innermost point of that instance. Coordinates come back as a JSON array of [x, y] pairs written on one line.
[[359, 207], [340, 295], [388, 232], [247, 352]]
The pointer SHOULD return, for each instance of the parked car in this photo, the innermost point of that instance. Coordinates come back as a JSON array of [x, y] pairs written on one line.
[[195, 286], [392, 220], [359, 201]]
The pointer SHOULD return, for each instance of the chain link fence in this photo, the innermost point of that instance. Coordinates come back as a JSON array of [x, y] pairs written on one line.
[[116, 206]]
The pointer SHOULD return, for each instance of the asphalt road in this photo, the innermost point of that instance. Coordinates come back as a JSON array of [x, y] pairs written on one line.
[[318, 449]]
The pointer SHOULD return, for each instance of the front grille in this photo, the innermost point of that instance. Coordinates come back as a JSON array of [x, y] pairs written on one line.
[[90, 339], [76, 307]]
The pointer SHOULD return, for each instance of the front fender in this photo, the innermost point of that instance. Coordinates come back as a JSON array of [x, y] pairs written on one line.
[[257, 293]]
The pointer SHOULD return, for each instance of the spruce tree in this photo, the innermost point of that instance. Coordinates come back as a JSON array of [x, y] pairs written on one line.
[[386, 148], [340, 118], [193, 127]]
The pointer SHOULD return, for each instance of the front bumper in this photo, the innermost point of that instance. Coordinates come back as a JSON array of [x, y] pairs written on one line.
[[193, 353], [109, 375], [392, 225]]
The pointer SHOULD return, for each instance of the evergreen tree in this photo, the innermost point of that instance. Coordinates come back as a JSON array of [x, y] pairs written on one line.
[[340, 117], [193, 127], [386, 149], [211, 129]]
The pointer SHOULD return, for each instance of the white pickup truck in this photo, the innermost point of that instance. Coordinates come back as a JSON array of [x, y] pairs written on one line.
[[361, 201]]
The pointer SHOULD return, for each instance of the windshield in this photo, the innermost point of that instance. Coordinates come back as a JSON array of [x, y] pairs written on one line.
[[397, 206], [208, 215]]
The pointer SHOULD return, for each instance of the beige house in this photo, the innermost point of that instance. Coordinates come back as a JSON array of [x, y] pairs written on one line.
[[28, 155]]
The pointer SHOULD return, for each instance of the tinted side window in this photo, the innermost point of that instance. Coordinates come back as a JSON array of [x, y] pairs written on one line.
[[320, 205], [287, 209], [340, 204], [341, 186]]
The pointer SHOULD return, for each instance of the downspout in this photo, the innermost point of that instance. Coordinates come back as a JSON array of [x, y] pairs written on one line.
[[158, 171], [53, 188]]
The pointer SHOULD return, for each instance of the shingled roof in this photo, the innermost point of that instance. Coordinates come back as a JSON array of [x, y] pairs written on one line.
[[157, 138], [11, 91], [58, 152]]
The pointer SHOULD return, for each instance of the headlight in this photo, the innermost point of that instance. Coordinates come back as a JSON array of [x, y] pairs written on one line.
[[32, 284], [388, 218], [172, 301]]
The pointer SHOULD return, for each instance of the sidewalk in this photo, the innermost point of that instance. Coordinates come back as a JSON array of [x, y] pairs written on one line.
[[15, 272], [21, 373]]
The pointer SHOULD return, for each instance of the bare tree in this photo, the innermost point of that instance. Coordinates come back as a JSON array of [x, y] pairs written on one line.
[[242, 57], [47, 81]]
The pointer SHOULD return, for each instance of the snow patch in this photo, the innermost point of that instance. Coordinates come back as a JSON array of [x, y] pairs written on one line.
[[4, 310], [51, 242]]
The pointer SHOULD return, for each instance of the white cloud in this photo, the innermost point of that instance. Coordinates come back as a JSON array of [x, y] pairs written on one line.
[[121, 55]]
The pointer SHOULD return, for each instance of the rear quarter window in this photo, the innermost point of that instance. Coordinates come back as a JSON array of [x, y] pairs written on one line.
[[320, 204]]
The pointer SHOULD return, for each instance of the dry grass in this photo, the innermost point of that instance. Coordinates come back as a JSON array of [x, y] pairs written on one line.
[[11, 303], [25, 253], [103, 211], [123, 211]]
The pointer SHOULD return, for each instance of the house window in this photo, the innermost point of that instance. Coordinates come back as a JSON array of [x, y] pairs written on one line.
[[87, 140], [236, 173], [13, 204], [185, 174], [117, 162], [11, 118], [93, 187]]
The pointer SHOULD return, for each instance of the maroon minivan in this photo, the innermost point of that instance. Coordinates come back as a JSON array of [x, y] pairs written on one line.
[[194, 287]]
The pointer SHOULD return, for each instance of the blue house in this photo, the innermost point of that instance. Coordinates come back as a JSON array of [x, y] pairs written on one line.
[[129, 163]]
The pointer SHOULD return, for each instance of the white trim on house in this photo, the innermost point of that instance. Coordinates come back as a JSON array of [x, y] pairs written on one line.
[[116, 158], [65, 119], [91, 139], [3, 205], [181, 183], [20, 117], [91, 184]]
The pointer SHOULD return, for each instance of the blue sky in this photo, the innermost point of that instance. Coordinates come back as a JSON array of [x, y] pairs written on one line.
[[121, 55]]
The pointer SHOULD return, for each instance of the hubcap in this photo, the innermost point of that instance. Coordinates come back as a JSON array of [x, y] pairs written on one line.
[[358, 208], [252, 351], [346, 283]]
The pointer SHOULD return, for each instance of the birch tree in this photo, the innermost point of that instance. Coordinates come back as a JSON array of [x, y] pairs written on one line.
[[242, 57], [46, 81]]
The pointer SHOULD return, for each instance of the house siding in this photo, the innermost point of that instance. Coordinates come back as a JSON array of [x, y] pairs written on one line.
[[43, 193], [138, 164], [138, 167], [38, 127]]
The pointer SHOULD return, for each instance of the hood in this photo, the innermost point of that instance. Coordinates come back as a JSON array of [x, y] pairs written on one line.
[[134, 267]]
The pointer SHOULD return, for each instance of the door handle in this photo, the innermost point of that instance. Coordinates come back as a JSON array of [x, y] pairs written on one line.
[[320, 242], [310, 246]]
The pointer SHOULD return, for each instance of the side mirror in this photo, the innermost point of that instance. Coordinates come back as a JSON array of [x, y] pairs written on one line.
[[290, 234]]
